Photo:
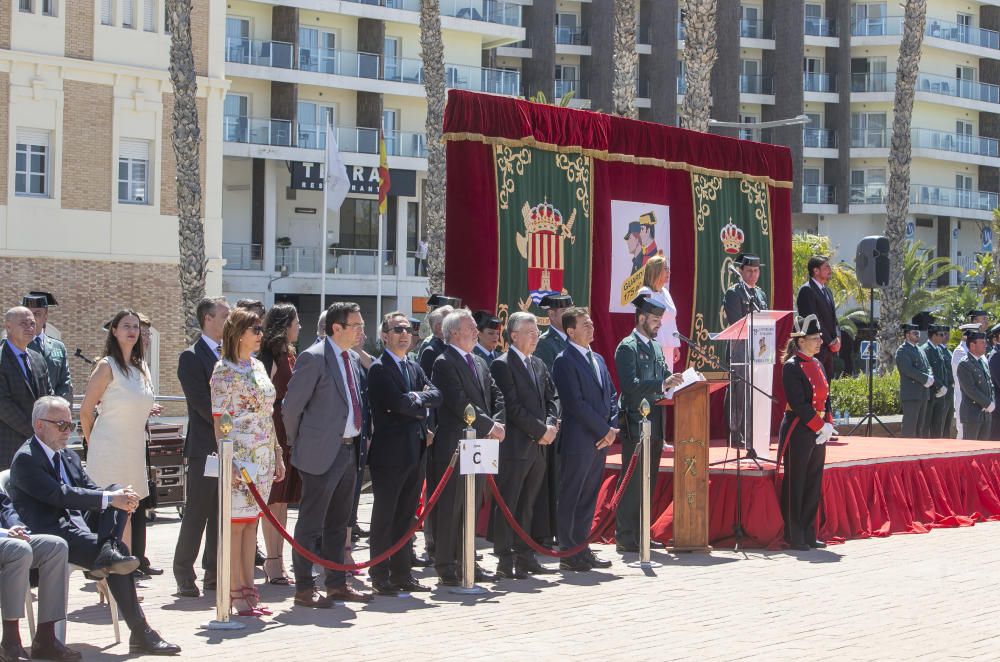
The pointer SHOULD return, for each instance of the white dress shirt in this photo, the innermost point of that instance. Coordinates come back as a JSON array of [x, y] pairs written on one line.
[[585, 351], [212, 345], [50, 454]]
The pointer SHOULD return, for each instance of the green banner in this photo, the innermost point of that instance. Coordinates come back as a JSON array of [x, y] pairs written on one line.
[[731, 216], [544, 208]]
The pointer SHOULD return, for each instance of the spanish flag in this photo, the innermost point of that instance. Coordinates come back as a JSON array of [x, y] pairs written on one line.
[[383, 175]]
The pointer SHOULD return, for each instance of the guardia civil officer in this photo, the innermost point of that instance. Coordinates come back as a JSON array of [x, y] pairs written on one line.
[[740, 300], [978, 398], [917, 385]]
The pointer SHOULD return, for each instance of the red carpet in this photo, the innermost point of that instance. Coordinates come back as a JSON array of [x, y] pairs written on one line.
[[871, 487]]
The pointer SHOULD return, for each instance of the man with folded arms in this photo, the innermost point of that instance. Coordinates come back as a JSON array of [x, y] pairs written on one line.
[[53, 495]]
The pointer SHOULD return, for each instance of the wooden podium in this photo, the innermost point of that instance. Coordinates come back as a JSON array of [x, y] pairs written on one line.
[[691, 441]]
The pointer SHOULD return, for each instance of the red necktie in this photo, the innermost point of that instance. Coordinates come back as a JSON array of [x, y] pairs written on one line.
[[355, 403]]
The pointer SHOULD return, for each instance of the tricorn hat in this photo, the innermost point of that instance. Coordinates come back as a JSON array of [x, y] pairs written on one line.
[[485, 320], [805, 326], [38, 300], [972, 314], [644, 304], [906, 327], [556, 301], [747, 260], [438, 300], [414, 322], [633, 228]]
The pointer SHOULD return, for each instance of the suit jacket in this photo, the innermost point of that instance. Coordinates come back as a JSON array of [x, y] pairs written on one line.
[[529, 404], [399, 412], [194, 371], [8, 516], [641, 371], [316, 406], [460, 388], [940, 366], [589, 408], [17, 398], [550, 345], [428, 352], [736, 301], [41, 498], [57, 362], [977, 389], [914, 371], [813, 300]]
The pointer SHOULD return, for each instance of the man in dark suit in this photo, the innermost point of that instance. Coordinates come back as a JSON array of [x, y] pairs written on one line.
[[323, 416], [24, 378], [201, 504], [53, 350], [978, 398], [52, 494], [400, 396], [532, 414], [463, 379], [489, 336], [815, 298], [738, 301], [589, 415], [432, 347], [940, 409], [917, 385]]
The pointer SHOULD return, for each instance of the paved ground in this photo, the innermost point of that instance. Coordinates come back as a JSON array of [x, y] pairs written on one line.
[[934, 596]]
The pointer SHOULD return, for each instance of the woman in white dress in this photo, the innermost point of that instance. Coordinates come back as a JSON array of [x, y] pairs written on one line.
[[655, 283], [118, 401]]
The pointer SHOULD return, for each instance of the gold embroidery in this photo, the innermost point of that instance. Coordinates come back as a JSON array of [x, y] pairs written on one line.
[[577, 172], [701, 335], [756, 193], [705, 188], [509, 162]]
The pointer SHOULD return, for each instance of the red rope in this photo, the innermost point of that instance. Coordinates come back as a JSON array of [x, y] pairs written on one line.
[[594, 534], [330, 565]]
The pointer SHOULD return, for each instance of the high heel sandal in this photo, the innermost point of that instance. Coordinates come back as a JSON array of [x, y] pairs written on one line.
[[284, 580], [238, 594], [254, 601]]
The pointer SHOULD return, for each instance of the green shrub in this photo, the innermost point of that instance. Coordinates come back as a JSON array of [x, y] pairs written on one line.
[[851, 394]]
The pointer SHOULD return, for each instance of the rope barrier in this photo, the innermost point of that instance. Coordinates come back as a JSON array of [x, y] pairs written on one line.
[[566, 553], [330, 565]]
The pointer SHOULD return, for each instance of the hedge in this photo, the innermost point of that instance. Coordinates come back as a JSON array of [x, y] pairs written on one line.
[[851, 394]]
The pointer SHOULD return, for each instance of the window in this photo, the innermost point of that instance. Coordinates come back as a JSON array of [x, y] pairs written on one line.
[[128, 13], [166, 18], [31, 162], [390, 124], [149, 15], [747, 133], [749, 22], [106, 12], [868, 130], [359, 227], [48, 7], [238, 40], [26, 6], [318, 50], [567, 31], [750, 76], [391, 51], [133, 171], [313, 120], [235, 110]]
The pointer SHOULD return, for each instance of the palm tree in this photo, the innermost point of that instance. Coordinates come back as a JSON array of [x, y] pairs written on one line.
[[186, 139], [898, 197], [995, 227], [624, 59], [432, 54], [700, 54]]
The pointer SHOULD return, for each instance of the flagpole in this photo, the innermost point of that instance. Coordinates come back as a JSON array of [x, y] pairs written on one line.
[[326, 210], [378, 304]]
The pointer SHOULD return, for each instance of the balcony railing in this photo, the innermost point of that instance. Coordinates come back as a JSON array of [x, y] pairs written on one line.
[[286, 133], [871, 138], [572, 36], [820, 27], [680, 32], [933, 27], [641, 87], [818, 194], [955, 142], [923, 194], [756, 85], [681, 85], [490, 11], [819, 138], [564, 86], [756, 29], [338, 62], [868, 194], [819, 83], [958, 87], [260, 53], [880, 82]]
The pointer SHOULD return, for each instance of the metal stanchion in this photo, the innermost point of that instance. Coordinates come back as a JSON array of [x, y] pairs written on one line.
[[224, 552], [468, 586], [645, 519]]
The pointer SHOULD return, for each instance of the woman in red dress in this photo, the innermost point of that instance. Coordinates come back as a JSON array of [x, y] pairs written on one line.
[[277, 353]]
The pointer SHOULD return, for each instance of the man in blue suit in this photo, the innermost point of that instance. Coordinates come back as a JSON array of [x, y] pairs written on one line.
[[589, 415]]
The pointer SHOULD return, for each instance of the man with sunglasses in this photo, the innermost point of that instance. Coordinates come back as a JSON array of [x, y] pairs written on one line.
[[401, 396], [24, 377]]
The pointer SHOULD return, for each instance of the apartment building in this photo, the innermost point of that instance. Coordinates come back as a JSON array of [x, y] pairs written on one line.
[[833, 61], [87, 186], [299, 66]]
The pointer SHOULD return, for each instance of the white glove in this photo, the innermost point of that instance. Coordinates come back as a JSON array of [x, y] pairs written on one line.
[[989, 410], [941, 392], [825, 433], [928, 383]]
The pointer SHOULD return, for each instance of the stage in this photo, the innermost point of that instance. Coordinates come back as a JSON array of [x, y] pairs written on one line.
[[871, 487]]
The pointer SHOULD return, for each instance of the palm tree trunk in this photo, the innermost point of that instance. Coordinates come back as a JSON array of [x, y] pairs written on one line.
[[186, 138], [432, 54], [898, 197], [624, 59], [700, 54]]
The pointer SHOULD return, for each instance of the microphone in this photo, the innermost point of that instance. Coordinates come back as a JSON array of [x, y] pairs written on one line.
[[732, 267], [681, 336], [79, 355]]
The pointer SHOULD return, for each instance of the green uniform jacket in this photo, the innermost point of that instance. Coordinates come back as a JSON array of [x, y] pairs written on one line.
[[641, 371], [977, 389], [949, 375], [57, 362], [940, 365], [550, 345], [914, 372]]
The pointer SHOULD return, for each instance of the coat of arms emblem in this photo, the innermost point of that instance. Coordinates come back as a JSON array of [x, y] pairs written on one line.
[[543, 246]]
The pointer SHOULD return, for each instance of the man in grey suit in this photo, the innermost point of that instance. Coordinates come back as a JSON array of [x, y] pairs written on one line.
[[977, 389], [53, 350], [916, 382], [24, 378], [323, 416]]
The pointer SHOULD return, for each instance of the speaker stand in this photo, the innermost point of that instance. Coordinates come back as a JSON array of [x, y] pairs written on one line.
[[870, 416]]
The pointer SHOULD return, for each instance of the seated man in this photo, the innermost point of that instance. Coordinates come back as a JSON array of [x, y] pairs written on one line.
[[20, 551], [52, 494]]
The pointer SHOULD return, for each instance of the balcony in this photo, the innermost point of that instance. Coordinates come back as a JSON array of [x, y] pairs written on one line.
[[818, 83], [681, 85], [870, 138], [922, 194], [892, 26], [819, 138], [260, 53], [287, 133], [958, 87], [564, 86], [756, 85], [878, 82], [571, 36], [868, 194], [820, 27], [680, 32], [490, 11], [756, 29], [339, 63], [307, 260], [818, 194], [955, 142]]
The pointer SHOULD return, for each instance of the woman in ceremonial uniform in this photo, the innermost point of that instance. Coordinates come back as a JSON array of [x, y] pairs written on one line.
[[805, 429]]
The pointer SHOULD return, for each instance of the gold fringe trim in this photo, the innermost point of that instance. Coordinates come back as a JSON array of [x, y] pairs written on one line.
[[604, 155]]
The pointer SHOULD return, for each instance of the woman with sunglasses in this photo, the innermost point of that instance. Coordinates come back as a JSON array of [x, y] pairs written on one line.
[[241, 387], [120, 390]]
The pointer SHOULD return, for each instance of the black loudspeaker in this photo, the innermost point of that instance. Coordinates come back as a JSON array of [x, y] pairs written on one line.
[[872, 262]]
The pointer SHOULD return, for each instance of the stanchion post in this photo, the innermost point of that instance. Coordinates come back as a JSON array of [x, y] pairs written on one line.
[[468, 586], [224, 552], [645, 464]]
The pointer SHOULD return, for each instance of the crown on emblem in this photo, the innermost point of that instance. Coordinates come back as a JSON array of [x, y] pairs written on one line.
[[732, 238], [543, 217]]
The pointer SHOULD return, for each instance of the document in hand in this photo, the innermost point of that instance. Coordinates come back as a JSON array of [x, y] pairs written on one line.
[[690, 376]]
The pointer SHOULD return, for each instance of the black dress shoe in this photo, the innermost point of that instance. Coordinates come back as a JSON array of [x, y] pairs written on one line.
[[574, 565], [384, 587], [533, 567], [483, 575], [816, 544], [449, 579], [509, 571], [626, 548], [421, 561], [411, 585], [259, 558], [187, 589], [113, 562], [147, 569], [148, 642], [15, 652], [54, 650], [596, 562], [359, 532], [800, 547]]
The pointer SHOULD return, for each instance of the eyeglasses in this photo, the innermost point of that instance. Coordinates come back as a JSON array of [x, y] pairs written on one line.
[[62, 426], [258, 330], [355, 325], [401, 329]]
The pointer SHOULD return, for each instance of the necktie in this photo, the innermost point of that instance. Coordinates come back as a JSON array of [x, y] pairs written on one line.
[[29, 377], [355, 401], [593, 364], [404, 367], [472, 367]]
